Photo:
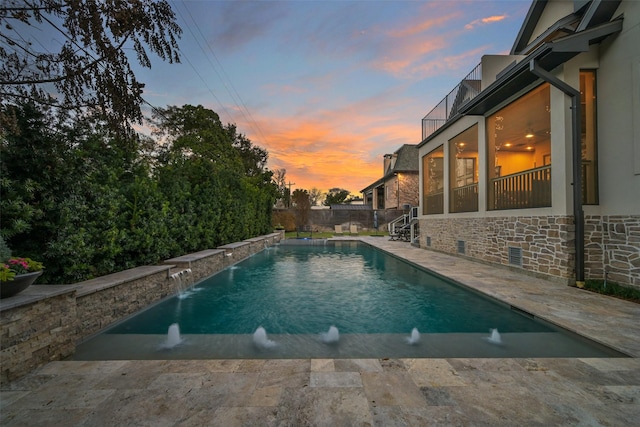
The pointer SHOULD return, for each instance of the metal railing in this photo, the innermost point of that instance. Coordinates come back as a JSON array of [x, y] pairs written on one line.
[[448, 108], [528, 189], [405, 227]]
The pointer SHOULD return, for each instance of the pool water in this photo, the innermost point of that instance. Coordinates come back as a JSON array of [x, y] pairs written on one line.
[[298, 292], [307, 289]]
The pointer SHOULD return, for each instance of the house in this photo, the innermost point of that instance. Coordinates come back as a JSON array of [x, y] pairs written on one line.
[[533, 160], [399, 183]]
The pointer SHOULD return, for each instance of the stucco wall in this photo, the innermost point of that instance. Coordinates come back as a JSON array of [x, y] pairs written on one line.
[[618, 104]]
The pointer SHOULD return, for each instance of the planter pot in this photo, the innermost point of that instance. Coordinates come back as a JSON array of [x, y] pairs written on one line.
[[18, 284]]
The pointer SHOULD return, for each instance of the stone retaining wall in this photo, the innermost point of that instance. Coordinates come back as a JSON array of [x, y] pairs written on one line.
[[44, 322], [202, 264], [37, 333], [107, 299]]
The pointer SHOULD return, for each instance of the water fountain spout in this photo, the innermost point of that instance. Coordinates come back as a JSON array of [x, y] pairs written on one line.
[[260, 339], [495, 337], [173, 337], [181, 280], [414, 338], [331, 336]]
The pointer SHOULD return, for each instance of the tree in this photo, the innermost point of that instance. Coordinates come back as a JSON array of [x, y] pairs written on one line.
[[280, 179], [90, 69], [410, 190], [196, 131], [336, 196], [315, 195], [302, 206], [254, 159], [88, 203]]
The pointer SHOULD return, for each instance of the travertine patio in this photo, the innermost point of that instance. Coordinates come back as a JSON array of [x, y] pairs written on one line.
[[354, 392]]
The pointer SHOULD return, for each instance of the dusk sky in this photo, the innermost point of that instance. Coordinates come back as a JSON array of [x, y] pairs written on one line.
[[328, 87]]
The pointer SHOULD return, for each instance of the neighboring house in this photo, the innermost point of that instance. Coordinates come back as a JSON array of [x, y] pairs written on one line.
[[399, 183], [533, 160]]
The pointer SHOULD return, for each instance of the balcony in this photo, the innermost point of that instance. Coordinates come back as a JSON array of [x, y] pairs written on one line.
[[448, 108]]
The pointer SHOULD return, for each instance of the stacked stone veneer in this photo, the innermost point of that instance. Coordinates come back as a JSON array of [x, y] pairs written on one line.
[[612, 244], [547, 242], [612, 249], [36, 333], [45, 322], [202, 264], [107, 299]]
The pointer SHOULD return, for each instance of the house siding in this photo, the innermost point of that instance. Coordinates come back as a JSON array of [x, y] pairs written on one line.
[[546, 235]]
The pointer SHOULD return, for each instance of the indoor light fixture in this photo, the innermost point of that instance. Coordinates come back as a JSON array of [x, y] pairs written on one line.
[[529, 133]]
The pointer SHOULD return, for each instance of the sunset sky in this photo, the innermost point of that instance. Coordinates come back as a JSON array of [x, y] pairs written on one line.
[[328, 87]]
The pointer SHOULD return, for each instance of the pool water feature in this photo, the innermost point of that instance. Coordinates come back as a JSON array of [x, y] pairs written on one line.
[[371, 303]]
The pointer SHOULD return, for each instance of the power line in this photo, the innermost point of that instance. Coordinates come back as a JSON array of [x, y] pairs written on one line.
[[237, 99], [183, 54]]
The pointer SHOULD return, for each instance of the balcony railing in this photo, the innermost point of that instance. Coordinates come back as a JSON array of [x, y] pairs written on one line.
[[465, 199], [448, 108], [528, 189], [434, 203]]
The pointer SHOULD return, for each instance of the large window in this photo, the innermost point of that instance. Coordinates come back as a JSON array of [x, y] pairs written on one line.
[[463, 167], [589, 139], [519, 152], [433, 182]]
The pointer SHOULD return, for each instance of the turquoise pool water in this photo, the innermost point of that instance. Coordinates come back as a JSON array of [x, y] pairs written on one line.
[[297, 292], [307, 289]]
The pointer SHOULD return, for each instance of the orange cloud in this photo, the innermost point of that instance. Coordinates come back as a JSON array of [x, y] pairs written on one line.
[[483, 21], [333, 148]]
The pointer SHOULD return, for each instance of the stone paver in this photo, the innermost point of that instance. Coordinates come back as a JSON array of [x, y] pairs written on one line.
[[362, 392]]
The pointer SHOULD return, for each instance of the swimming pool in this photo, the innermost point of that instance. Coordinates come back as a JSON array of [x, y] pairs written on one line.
[[296, 293]]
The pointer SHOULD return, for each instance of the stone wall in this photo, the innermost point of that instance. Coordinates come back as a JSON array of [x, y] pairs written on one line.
[[612, 244], [612, 249], [202, 264], [235, 252], [107, 299], [44, 322], [546, 243], [36, 333]]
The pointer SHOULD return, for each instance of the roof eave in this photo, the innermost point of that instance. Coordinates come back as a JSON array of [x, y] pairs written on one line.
[[548, 56]]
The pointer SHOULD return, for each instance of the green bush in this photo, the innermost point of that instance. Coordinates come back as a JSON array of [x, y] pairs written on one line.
[[5, 252], [613, 289]]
